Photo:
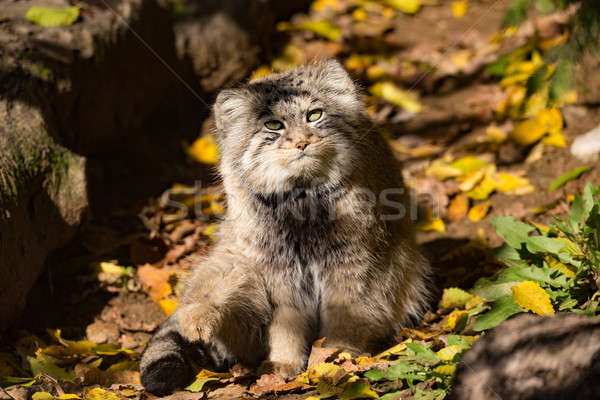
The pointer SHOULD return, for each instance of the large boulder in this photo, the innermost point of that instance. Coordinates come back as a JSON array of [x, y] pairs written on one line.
[[94, 113]]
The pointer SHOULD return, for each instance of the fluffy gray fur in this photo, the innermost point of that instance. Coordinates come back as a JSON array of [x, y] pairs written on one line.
[[304, 252]]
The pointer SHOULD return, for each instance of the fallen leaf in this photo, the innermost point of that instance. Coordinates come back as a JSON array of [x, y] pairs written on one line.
[[458, 208], [527, 132], [266, 384], [358, 390], [449, 352], [203, 377], [41, 364], [454, 298], [52, 16], [484, 189], [406, 6], [459, 8], [168, 305], [388, 91], [204, 150], [157, 279], [479, 211], [531, 296], [569, 176]]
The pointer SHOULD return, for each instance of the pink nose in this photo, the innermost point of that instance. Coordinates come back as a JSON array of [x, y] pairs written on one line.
[[302, 145]]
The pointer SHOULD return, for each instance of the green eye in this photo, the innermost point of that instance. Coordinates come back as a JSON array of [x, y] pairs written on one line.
[[314, 115], [274, 125]]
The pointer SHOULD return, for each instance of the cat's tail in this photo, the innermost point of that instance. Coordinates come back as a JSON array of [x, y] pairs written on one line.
[[166, 361]]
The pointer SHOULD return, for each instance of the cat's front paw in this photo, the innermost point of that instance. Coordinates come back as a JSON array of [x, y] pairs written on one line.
[[197, 322], [283, 370]]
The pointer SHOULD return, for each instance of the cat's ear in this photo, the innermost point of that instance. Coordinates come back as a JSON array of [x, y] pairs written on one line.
[[336, 76], [229, 107]]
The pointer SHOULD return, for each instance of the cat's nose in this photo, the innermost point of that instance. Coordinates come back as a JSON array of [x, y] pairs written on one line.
[[302, 145]]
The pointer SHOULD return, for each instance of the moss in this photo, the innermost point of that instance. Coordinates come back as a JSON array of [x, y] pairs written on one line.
[[27, 164]]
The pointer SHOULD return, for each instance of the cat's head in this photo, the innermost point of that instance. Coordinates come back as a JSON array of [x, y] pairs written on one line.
[[298, 128]]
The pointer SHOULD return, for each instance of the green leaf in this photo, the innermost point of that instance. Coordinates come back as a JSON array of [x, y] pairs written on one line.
[[437, 394], [51, 16], [392, 395], [506, 253], [10, 381], [502, 309], [545, 6], [457, 340], [513, 231], [423, 353], [43, 365], [516, 13], [543, 244], [498, 67], [574, 174], [395, 372], [199, 383]]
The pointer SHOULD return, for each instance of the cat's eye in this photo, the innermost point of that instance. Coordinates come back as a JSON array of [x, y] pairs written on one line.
[[314, 115], [274, 125]]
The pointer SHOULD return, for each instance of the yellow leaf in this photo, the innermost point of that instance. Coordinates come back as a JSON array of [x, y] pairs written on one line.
[[261, 72], [398, 349], [474, 302], [483, 189], [442, 171], [469, 181], [555, 138], [168, 306], [459, 8], [52, 16], [531, 296], [406, 6], [391, 93], [495, 135], [431, 224], [547, 44], [42, 396], [527, 132], [457, 320], [468, 164], [324, 28], [99, 394], [550, 119], [479, 211], [509, 182], [454, 298], [324, 371], [320, 5], [358, 390], [571, 247], [461, 58], [359, 14], [540, 227], [554, 263], [448, 353], [204, 150], [445, 369]]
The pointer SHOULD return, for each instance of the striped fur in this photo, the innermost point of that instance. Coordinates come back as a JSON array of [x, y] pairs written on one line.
[[310, 246]]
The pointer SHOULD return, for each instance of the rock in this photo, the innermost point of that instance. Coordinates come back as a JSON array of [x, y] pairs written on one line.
[[102, 332], [587, 146], [532, 357]]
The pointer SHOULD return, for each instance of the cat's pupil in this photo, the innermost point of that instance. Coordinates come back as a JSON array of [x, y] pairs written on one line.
[[314, 115], [274, 125]]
